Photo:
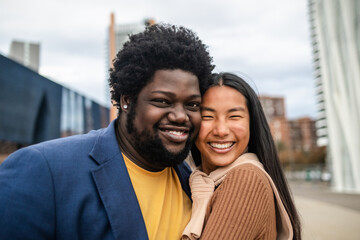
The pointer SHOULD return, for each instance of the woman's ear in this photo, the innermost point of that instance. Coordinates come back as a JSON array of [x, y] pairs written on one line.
[[124, 103]]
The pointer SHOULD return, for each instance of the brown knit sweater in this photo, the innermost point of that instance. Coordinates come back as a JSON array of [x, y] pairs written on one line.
[[242, 207]]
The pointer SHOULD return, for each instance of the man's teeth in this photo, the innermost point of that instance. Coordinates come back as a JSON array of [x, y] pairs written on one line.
[[221, 145], [179, 133]]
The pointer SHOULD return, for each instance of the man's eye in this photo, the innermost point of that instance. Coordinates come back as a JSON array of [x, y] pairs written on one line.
[[161, 102], [193, 106]]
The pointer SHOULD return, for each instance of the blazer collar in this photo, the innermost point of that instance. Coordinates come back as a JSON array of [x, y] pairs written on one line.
[[106, 146], [115, 189]]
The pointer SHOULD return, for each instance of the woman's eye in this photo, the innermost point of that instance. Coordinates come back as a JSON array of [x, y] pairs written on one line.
[[235, 117], [206, 117]]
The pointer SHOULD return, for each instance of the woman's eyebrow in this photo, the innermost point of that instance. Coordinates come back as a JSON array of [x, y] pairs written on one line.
[[235, 109], [241, 109], [202, 108]]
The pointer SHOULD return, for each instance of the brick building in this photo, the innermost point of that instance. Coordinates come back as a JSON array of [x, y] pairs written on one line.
[[296, 134]]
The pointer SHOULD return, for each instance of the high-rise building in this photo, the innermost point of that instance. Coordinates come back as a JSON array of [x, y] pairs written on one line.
[[26, 53], [335, 32], [118, 34]]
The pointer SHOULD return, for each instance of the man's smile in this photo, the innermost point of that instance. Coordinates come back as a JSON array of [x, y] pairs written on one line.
[[175, 134]]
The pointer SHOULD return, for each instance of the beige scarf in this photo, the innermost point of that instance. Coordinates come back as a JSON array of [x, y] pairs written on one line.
[[202, 189]]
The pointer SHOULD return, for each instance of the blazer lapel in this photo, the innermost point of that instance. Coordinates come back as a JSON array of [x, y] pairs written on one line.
[[115, 188], [183, 171]]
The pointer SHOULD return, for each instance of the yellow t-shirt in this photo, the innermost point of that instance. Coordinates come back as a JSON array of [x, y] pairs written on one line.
[[165, 207]]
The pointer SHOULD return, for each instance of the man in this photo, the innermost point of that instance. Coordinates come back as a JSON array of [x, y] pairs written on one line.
[[127, 181]]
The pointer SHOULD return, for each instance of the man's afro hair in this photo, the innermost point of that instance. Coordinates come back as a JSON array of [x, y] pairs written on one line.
[[159, 47]]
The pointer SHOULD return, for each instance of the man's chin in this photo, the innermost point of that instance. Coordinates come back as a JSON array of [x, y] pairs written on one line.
[[159, 150], [177, 155], [175, 150]]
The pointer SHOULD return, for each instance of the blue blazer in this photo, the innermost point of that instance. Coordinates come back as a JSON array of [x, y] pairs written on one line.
[[72, 188]]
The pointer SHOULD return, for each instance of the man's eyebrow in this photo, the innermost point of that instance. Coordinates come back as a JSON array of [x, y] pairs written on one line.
[[171, 94], [165, 92]]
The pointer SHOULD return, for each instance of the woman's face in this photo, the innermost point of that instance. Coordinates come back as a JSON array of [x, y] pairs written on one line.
[[225, 127]]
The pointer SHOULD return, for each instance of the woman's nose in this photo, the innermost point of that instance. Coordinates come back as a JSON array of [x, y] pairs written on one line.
[[221, 129]]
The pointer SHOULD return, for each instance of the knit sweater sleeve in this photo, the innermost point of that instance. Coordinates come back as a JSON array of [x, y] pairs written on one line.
[[242, 207]]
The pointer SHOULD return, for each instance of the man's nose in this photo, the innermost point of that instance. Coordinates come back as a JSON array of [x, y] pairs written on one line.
[[178, 114]]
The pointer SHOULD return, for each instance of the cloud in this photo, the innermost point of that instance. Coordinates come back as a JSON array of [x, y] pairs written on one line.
[[267, 40]]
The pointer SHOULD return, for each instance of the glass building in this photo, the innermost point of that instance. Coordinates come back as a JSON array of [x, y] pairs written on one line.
[[35, 109], [335, 31]]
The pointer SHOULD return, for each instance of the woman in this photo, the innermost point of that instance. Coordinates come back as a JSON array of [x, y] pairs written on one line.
[[239, 191]]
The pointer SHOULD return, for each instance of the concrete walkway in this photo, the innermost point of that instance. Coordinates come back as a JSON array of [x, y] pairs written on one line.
[[327, 215], [325, 221]]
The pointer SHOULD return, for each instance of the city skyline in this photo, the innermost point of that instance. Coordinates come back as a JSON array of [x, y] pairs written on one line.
[[267, 41]]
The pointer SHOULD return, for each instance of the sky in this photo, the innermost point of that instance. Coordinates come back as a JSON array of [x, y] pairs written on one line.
[[267, 42]]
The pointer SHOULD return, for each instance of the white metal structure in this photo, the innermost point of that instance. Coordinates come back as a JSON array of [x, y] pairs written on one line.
[[335, 29]]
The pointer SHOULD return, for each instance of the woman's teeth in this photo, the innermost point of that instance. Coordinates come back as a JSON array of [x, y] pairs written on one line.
[[221, 145]]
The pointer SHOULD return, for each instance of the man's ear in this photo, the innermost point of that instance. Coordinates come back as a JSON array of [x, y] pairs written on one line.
[[125, 103]]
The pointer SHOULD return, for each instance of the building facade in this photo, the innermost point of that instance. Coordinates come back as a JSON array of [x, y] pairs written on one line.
[[302, 134], [335, 31], [293, 137], [26, 53], [35, 109], [274, 108]]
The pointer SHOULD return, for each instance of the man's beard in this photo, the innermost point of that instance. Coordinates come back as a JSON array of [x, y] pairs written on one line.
[[150, 146]]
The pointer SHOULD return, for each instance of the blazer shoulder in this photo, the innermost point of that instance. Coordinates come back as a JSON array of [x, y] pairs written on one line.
[[58, 151], [69, 142]]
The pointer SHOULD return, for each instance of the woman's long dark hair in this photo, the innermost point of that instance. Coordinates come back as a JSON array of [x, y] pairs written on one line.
[[261, 143]]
